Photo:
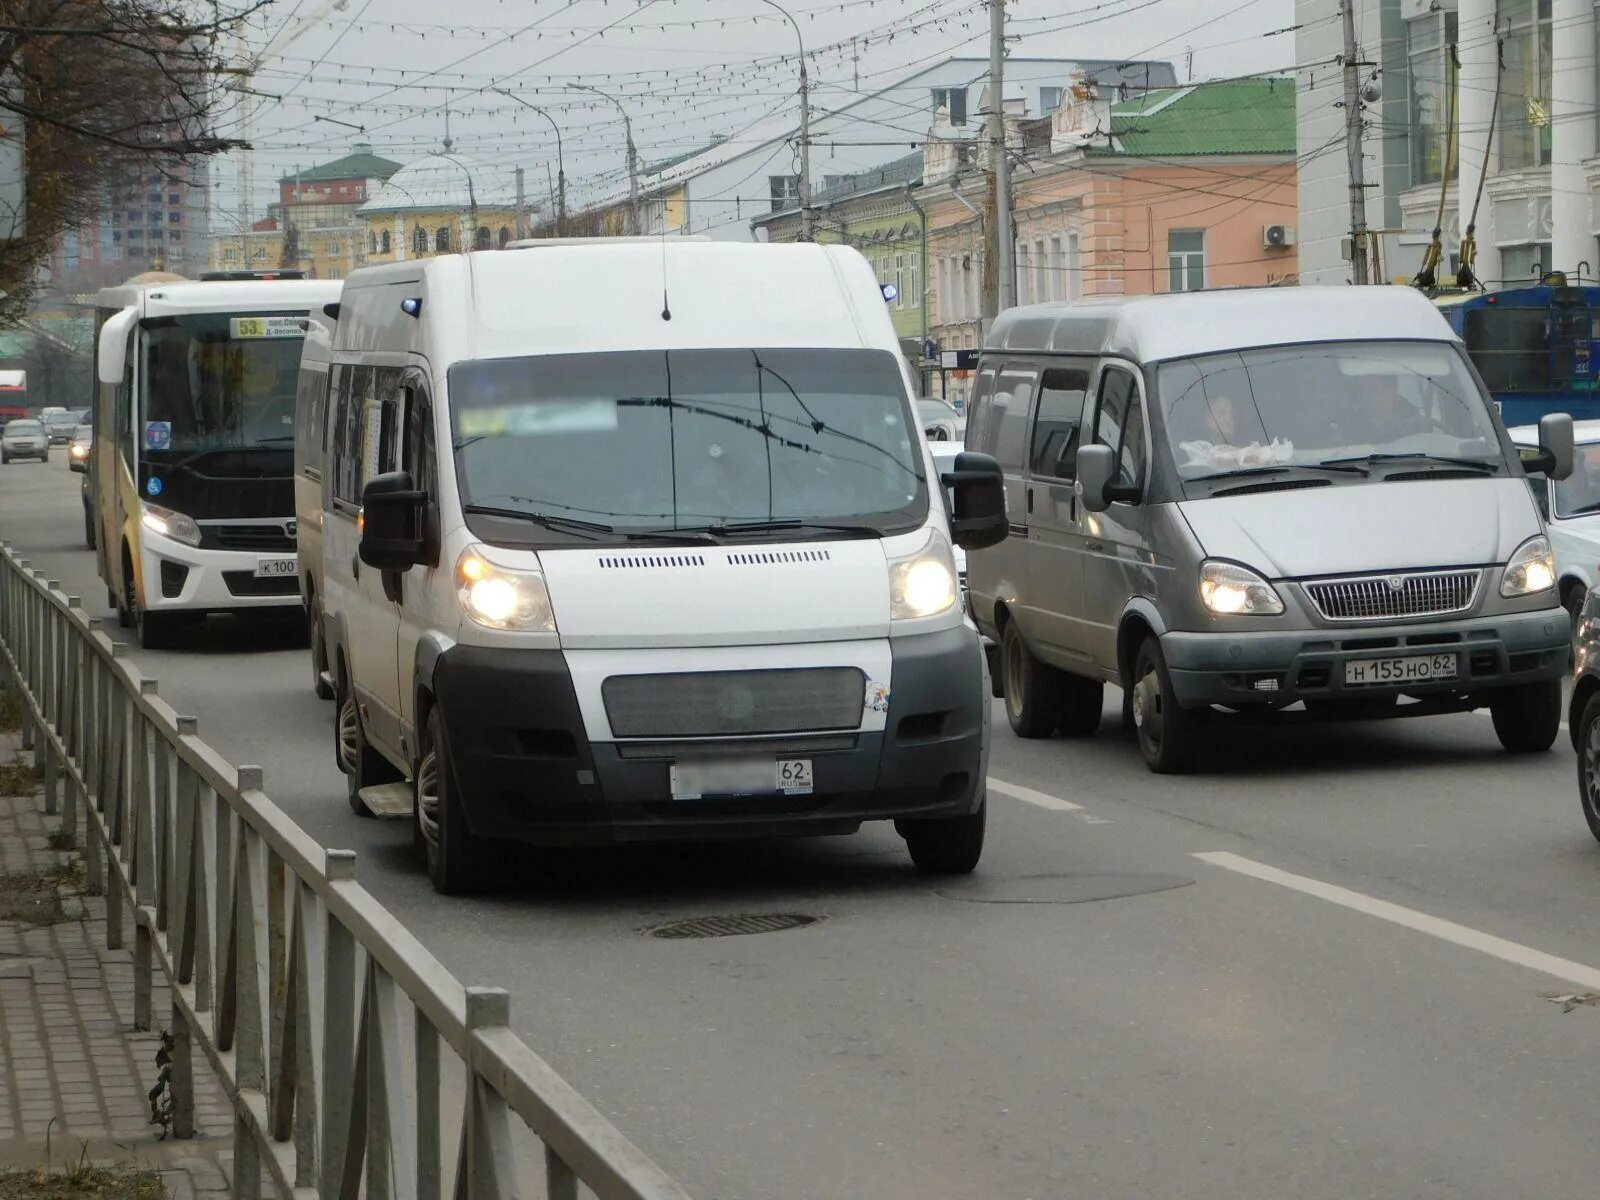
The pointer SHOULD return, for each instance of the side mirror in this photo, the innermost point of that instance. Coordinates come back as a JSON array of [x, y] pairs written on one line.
[[980, 501], [1557, 452], [1097, 467], [391, 523], [112, 352]]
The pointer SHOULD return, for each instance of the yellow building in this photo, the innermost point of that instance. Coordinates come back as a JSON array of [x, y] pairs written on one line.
[[439, 204]]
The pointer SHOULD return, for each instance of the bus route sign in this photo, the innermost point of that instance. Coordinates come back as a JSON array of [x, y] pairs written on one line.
[[267, 327]]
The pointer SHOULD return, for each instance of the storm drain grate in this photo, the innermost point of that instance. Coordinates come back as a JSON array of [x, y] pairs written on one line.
[[710, 927]]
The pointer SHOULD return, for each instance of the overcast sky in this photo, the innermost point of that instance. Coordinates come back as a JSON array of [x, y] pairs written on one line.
[[684, 69]]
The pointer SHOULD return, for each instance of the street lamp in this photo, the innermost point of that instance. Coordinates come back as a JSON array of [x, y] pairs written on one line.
[[808, 223], [561, 170], [633, 154], [472, 195]]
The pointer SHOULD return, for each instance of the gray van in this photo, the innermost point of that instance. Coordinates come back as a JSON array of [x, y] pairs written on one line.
[[1246, 500]]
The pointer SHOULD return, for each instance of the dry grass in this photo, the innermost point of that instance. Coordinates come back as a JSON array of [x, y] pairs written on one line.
[[10, 710], [35, 897], [18, 779], [84, 1181]]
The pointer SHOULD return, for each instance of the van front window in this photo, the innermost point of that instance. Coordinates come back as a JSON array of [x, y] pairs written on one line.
[[1334, 406], [700, 441]]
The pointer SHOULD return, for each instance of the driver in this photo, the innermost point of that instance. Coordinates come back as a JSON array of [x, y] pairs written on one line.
[[1390, 416]]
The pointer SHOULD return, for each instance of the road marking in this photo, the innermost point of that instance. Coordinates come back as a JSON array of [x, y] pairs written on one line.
[[1042, 799], [1410, 918]]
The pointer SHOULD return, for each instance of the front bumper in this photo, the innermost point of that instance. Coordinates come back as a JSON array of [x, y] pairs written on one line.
[[526, 771], [1280, 667], [181, 578]]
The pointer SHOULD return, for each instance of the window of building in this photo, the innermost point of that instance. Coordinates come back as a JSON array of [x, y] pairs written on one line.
[[1525, 103], [1024, 273], [441, 239], [383, 242], [175, 235], [482, 239], [914, 281], [419, 240], [174, 218], [1041, 274], [174, 198], [334, 248], [899, 280], [372, 242], [784, 190], [503, 237], [1186, 260], [1525, 262], [1428, 39], [1057, 269], [1049, 100], [953, 98]]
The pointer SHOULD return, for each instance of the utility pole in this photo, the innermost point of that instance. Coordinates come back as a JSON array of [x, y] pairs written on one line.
[[1352, 143], [633, 158], [808, 216], [521, 206], [561, 163], [1001, 245]]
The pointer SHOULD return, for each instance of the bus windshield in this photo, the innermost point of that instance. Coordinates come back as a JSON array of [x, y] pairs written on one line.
[[219, 381]]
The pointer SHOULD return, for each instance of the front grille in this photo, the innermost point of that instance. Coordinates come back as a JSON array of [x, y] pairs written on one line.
[[1387, 597], [246, 583], [265, 538], [734, 703]]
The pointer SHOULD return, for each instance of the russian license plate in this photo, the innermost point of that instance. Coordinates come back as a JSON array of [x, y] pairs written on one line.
[[272, 568], [1410, 669], [741, 777]]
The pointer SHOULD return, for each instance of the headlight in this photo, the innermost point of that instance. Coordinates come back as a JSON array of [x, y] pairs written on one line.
[[1228, 589], [175, 525], [923, 584], [78, 450], [501, 598], [1531, 569]]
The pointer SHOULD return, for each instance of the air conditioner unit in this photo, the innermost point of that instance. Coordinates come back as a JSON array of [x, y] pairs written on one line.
[[1275, 237]]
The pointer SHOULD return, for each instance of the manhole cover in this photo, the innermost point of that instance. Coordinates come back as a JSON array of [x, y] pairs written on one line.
[[1063, 889], [710, 927]]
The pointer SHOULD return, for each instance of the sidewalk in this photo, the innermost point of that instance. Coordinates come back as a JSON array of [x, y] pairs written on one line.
[[71, 1065]]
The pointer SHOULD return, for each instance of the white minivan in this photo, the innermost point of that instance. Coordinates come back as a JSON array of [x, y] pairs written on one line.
[[641, 541]]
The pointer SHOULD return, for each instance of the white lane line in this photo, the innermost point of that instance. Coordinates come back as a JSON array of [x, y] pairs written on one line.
[[1018, 792], [1410, 918]]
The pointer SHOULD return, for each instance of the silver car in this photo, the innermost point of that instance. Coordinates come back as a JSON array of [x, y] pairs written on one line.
[[24, 439], [1255, 500]]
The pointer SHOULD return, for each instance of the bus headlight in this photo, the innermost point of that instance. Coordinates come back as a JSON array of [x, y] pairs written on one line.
[[923, 584], [500, 598], [1531, 569], [175, 525]]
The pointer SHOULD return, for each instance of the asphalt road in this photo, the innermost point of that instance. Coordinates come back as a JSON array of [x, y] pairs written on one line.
[[1321, 968]]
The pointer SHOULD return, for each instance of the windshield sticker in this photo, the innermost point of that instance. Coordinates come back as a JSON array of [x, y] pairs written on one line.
[[546, 416], [158, 435], [877, 697], [152, 486], [268, 327]]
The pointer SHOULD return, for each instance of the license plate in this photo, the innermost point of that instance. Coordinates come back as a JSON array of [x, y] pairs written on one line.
[[271, 568], [1409, 669], [741, 777]]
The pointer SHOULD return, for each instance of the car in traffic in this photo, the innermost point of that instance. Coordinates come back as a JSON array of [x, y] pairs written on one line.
[[24, 439], [1243, 501], [61, 426], [79, 448], [941, 420], [1571, 510], [607, 561]]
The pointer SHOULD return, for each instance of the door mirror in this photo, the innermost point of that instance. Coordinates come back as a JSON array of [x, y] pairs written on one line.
[[1557, 453], [980, 501], [112, 352], [391, 522], [1097, 467]]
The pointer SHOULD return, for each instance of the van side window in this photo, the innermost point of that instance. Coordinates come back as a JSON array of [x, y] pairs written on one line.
[[1055, 429], [1013, 396], [349, 435], [979, 409], [1119, 423], [418, 445], [388, 398], [310, 422]]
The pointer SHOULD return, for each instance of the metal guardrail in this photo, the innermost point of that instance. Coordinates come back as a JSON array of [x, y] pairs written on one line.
[[354, 1061]]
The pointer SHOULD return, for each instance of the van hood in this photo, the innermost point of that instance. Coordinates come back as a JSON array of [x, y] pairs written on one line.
[[1350, 528], [719, 595]]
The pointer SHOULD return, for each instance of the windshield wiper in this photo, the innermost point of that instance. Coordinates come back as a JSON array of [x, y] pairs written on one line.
[[548, 520], [736, 528], [1283, 469], [1374, 460]]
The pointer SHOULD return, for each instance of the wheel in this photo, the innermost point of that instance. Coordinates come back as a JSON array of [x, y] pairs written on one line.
[[154, 630], [1081, 702], [319, 651], [88, 529], [458, 860], [1527, 717], [1588, 741], [949, 846], [362, 765], [1032, 690], [1573, 601], [1169, 734]]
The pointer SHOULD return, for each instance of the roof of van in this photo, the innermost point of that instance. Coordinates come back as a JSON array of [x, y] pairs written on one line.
[[248, 295], [1183, 324], [609, 296]]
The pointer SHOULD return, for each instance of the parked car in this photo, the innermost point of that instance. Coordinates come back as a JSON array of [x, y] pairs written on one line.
[[1571, 509], [61, 426], [1332, 518], [78, 450], [24, 439], [941, 421]]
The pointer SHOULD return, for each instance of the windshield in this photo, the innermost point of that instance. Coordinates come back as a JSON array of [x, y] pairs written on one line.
[[219, 381], [62, 420], [1312, 405], [686, 439], [24, 427], [1579, 494]]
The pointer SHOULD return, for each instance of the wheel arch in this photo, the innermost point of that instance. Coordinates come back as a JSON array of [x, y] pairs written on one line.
[[1583, 691], [1140, 619]]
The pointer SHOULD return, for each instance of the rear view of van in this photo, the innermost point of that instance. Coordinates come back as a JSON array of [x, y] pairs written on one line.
[[634, 542]]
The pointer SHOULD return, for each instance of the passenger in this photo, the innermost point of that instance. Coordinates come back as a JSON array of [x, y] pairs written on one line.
[[1390, 416]]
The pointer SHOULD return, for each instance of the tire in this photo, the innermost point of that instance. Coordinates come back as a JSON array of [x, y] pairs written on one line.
[[948, 846], [458, 861], [1169, 734], [155, 631], [1527, 717], [1081, 702], [1588, 744], [362, 765], [88, 529], [1573, 602], [319, 651], [1032, 690]]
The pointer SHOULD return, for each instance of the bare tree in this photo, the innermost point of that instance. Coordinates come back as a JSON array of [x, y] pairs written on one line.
[[110, 91]]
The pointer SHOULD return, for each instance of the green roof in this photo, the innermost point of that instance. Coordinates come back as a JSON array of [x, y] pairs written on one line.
[[1230, 116], [361, 165]]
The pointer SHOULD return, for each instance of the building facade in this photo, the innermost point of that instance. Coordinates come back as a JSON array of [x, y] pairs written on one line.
[[152, 217], [439, 204]]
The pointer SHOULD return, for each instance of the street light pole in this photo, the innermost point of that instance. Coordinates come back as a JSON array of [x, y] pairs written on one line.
[[561, 169], [633, 154], [808, 216]]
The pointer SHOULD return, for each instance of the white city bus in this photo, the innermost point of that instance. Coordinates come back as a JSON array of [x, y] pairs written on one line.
[[193, 463]]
